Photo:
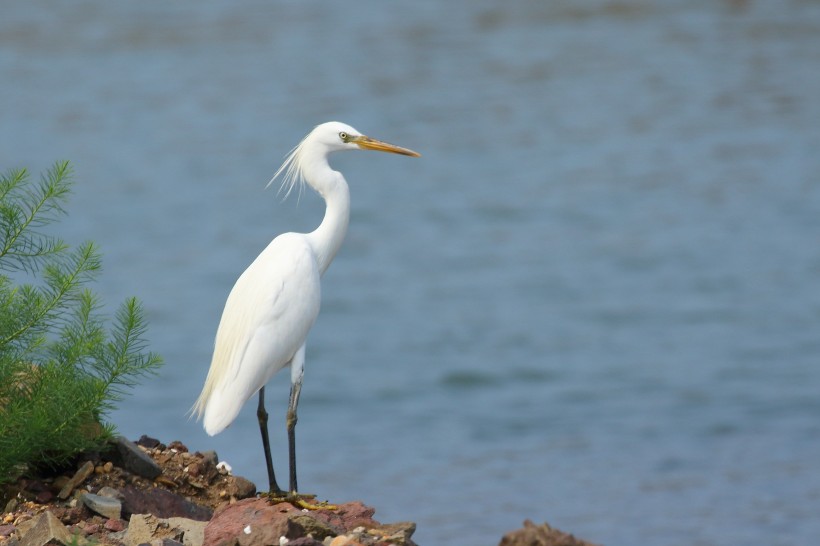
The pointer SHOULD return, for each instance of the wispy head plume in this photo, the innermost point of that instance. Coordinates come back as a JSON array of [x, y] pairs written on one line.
[[293, 171]]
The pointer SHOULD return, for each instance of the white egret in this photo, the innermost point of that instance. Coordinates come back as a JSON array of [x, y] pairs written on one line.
[[274, 303]]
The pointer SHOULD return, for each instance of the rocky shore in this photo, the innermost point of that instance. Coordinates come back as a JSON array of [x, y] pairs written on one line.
[[151, 493]]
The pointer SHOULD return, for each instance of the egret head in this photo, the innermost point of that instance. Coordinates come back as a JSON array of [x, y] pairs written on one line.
[[323, 140]]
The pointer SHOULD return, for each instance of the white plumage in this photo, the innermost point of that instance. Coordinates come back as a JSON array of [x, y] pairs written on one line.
[[266, 320], [275, 302]]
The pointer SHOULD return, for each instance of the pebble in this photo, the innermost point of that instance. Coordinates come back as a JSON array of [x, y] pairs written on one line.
[[105, 506], [210, 457], [176, 445], [242, 488], [114, 525], [78, 478], [110, 492], [44, 496]]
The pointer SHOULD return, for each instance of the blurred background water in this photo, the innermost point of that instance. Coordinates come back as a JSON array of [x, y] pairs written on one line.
[[593, 301]]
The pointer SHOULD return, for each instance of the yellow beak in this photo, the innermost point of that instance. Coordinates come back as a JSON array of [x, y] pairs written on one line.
[[367, 143]]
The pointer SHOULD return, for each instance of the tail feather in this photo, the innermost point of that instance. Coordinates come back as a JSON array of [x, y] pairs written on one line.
[[220, 411]]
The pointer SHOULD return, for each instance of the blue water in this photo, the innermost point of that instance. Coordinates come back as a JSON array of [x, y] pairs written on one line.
[[593, 301]]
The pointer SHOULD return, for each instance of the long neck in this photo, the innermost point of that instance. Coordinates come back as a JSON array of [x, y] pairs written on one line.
[[327, 238]]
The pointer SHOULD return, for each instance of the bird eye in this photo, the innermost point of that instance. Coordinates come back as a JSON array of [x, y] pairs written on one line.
[[344, 136]]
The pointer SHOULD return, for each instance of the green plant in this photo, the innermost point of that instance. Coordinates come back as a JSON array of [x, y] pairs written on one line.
[[61, 368]]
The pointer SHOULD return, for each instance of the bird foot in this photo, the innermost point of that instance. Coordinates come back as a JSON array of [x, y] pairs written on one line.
[[305, 501]]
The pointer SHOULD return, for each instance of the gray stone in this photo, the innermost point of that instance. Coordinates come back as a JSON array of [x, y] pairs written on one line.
[[135, 460], [110, 492], [104, 506]]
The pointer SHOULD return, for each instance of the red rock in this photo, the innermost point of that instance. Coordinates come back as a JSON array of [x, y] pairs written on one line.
[[249, 521], [114, 525], [44, 496], [348, 516], [6, 530]]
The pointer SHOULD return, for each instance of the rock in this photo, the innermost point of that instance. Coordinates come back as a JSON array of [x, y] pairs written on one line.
[[210, 457], [251, 522], [43, 529], [165, 542], [241, 488], [162, 504], [193, 531], [43, 497], [314, 527], [195, 469], [540, 535], [105, 506], [348, 516], [71, 515], [178, 446], [256, 522], [135, 460], [305, 541], [11, 506], [146, 528], [147, 441], [110, 492], [114, 525], [6, 530], [397, 533], [141, 529], [345, 540], [79, 477]]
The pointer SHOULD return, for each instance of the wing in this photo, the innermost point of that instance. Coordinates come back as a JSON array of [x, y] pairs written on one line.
[[267, 317]]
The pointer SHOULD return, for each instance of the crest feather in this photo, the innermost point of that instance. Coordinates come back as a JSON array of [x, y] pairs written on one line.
[[292, 169]]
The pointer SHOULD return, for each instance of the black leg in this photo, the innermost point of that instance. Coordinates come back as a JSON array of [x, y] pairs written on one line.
[[262, 415], [295, 389]]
